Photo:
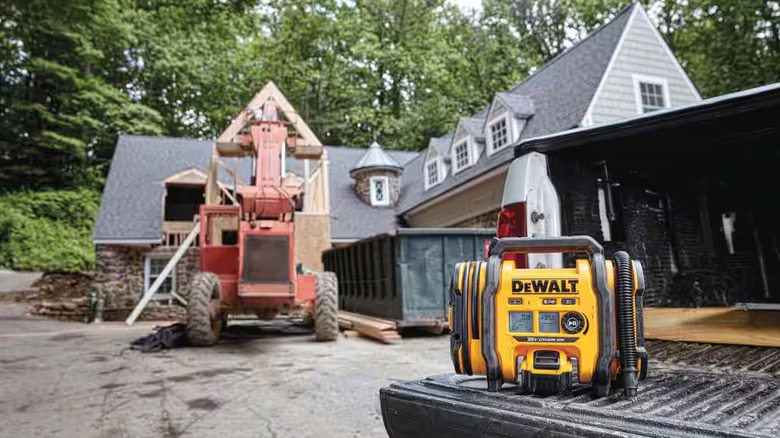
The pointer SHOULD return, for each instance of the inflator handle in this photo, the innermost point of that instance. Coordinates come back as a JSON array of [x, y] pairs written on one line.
[[534, 245]]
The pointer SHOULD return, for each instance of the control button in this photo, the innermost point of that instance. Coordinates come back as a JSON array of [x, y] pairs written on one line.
[[572, 322], [515, 301], [549, 301], [569, 301]]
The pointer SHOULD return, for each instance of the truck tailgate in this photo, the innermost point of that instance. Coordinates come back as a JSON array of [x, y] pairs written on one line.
[[692, 390]]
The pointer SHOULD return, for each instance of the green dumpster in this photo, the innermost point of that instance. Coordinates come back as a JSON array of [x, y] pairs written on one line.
[[404, 275]]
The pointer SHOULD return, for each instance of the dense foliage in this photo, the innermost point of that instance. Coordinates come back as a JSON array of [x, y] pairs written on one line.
[[74, 74], [48, 230]]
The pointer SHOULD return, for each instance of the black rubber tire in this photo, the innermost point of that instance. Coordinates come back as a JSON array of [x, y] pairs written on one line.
[[326, 310], [204, 319]]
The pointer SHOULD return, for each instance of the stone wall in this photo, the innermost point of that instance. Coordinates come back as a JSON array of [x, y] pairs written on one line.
[[484, 220], [363, 184], [119, 280]]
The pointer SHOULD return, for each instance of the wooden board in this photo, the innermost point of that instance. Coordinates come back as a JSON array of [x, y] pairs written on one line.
[[718, 325], [308, 145], [380, 329]]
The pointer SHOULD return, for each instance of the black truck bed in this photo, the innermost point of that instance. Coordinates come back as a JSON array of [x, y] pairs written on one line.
[[692, 390]]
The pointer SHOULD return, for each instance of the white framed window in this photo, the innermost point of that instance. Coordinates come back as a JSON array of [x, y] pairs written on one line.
[[499, 134], [461, 155], [651, 93], [153, 267], [380, 190], [433, 172]]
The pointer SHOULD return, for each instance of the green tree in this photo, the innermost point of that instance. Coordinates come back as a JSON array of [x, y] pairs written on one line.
[[61, 113], [189, 62]]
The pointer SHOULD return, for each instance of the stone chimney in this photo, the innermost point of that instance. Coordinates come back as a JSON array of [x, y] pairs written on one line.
[[377, 178]]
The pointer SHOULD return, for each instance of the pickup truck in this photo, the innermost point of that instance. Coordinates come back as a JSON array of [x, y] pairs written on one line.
[[693, 389]]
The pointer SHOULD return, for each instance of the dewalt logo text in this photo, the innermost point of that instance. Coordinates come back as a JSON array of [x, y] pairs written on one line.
[[544, 286]]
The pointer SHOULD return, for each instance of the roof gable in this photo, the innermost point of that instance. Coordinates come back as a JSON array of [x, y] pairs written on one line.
[[640, 45], [227, 142], [561, 92], [473, 126], [519, 106]]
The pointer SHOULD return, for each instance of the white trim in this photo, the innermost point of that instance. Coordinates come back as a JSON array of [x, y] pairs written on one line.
[[657, 80], [668, 51], [469, 161], [439, 172], [489, 116], [489, 133], [126, 241], [457, 189], [589, 112], [345, 240], [372, 188], [147, 272]]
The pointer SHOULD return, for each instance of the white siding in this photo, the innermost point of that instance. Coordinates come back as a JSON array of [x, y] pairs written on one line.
[[517, 129], [641, 52], [496, 111], [431, 153]]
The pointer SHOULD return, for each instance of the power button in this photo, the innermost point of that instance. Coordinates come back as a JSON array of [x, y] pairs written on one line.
[[572, 322]]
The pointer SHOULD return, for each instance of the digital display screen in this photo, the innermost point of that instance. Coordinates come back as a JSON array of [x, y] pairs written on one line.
[[521, 322], [548, 322]]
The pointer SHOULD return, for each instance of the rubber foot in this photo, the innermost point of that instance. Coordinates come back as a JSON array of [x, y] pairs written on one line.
[[494, 385]]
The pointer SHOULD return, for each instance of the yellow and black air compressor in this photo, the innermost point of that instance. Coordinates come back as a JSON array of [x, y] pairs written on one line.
[[549, 329]]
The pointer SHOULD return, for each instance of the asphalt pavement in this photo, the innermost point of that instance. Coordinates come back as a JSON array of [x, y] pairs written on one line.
[[64, 379]]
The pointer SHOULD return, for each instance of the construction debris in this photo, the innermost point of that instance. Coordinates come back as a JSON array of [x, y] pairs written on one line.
[[382, 330], [163, 338], [59, 295]]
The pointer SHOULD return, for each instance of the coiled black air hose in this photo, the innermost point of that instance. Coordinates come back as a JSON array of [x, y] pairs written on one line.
[[625, 322]]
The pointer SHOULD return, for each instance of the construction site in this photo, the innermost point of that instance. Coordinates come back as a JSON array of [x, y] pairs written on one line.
[[593, 253]]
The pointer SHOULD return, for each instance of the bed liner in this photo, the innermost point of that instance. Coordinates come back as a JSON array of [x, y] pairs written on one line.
[[692, 390]]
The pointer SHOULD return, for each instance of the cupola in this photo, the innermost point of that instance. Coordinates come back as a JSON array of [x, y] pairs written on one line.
[[377, 178]]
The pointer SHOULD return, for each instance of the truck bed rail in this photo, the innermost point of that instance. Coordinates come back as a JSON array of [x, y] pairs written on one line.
[[693, 390]]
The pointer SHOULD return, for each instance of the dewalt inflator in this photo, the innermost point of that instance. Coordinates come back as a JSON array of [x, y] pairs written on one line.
[[549, 329]]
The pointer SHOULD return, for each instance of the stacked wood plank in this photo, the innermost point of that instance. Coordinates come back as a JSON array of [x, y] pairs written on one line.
[[719, 325], [382, 330]]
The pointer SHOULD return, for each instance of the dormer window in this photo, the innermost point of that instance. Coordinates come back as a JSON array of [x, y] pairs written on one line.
[[462, 154], [506, 119], [432, 173], [651, 93], [380, 196], [499, 135]]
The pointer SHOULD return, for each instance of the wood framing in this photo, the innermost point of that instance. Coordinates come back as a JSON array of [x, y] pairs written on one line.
[[726, 325], [188, 177], [307, 144]]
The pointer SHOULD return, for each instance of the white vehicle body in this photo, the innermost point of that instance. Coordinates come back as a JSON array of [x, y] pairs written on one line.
[[528, 181]]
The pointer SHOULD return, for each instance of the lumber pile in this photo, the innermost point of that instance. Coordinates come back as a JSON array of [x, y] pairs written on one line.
[[382, 330], [718, 325]]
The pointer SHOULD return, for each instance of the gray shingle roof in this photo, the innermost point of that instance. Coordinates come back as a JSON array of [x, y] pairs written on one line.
[[520, 105], [441, 144], [131, 205], [375, 158], [560, 91], [473, 125], [351, 218]]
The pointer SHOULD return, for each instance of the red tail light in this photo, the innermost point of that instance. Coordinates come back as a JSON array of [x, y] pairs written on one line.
[[511, 223]]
